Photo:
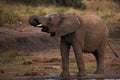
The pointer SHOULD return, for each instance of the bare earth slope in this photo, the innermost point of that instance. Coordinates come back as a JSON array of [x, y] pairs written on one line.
[[25, 39]]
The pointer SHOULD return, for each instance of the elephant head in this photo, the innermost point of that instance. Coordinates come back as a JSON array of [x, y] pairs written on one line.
[[56, 24]]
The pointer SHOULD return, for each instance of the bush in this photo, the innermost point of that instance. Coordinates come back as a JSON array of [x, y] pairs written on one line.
[[77, 4], [67, 3]]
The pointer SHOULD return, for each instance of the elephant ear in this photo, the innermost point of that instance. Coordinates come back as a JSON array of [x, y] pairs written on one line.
[[69, 23]]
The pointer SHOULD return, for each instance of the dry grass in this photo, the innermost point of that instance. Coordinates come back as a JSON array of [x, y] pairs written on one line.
[[19, 12], [101, 5], [11, 56]]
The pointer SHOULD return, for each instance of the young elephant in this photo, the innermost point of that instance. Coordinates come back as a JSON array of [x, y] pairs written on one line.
[[87, 33]]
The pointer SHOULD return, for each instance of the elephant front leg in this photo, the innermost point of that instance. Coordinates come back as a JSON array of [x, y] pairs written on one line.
[[79, 60], [65, 48]]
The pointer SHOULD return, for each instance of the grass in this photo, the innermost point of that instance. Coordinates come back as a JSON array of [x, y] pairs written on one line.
[[11, 56], [8, 15], [90, 68], [108, 15], [15, 13]]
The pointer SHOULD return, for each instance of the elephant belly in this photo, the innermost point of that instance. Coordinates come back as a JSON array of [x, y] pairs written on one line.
[[90, 48], [92, 43]]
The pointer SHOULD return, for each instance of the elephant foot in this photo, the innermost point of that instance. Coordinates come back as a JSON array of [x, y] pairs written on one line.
[[65, 74], [99, 72], [81, 74]]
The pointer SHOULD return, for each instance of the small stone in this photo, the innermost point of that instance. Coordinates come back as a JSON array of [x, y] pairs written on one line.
[[56, 67]]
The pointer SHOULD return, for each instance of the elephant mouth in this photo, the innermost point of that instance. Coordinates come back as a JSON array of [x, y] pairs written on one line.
[[44, 28], [52, 34]]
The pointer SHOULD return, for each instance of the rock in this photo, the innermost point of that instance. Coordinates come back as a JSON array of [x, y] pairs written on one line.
[[56, 67], [53, 67]]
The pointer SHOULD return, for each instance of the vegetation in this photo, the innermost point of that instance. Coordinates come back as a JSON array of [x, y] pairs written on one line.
[[18, 11], [7, 16], [11, 56], [72, 3]]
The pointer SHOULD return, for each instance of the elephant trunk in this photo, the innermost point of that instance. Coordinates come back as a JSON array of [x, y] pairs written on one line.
[[33, 20], [37, 21]]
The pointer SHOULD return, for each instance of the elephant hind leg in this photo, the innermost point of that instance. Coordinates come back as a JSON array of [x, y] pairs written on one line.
[[99, 55]]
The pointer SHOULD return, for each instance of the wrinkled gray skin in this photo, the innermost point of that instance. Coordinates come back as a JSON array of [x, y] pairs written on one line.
[[87, 33]]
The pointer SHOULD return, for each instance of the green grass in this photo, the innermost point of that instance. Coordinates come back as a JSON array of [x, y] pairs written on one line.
[[90, 68]]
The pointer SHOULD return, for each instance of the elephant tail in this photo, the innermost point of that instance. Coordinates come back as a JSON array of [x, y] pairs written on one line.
[[116, 55]]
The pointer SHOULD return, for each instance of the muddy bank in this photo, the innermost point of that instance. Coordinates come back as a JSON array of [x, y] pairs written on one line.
[[26, 39]]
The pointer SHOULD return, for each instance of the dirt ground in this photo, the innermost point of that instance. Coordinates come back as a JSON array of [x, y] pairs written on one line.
[[37, 54], [45, 64]]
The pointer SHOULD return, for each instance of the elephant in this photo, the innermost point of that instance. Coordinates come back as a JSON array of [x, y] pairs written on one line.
[[86, 34]]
